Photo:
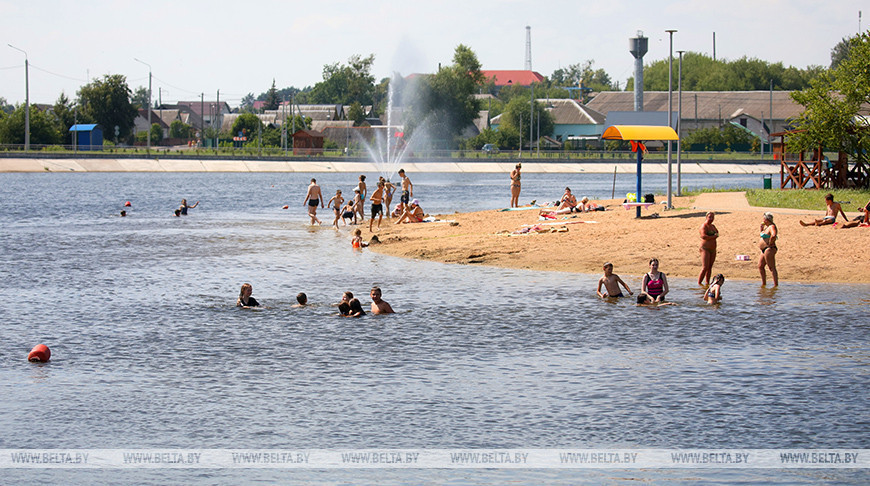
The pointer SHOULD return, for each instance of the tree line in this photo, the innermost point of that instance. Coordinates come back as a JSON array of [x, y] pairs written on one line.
[[442, 102]]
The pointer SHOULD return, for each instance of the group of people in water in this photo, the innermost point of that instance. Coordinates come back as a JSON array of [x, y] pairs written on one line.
[[406, 211], [349, 306]]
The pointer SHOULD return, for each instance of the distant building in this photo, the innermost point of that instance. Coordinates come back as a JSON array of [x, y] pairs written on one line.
[[571, 120], [502, 78], [703, 109], [88, 136]]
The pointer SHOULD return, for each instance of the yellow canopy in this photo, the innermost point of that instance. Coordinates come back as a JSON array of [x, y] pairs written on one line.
[[639, 132]]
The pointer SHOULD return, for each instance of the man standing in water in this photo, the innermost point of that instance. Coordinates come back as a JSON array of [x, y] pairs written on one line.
[[377, 206], [313, 198], [407, 188]]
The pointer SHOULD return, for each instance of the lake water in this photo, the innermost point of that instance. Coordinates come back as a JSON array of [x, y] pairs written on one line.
[[148, 350]]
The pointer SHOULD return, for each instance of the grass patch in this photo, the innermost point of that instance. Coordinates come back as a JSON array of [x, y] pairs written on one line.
[[851, 199], [695, 192]]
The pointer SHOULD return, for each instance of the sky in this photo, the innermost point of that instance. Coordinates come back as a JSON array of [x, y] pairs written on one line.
[[196, 46]]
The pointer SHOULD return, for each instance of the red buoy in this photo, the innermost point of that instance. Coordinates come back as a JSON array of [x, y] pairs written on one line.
[[127, 204], [286, 207], [39, 354]]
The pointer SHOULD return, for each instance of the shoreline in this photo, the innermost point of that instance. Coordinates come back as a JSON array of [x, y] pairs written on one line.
[[584, 242], [157, 164]]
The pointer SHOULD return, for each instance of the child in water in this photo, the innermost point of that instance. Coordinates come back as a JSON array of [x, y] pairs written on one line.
[[644, 298], [713, 295], [611, 283], [357, 241], [245, 300], [301, 299]]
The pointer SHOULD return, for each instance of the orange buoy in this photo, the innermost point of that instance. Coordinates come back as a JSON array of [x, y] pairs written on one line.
[[127, 204], [39, 354], [286, 207]]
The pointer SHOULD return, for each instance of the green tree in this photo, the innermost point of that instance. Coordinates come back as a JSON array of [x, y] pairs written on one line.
[[106, 101], [717, 138], [344, 84], [43, 128], [841, 51], [582, 74], [517, 118], [5, 107], [272, 99], [179, 129], [65, 117], [247, 123], [356, 114], [832, 105], [445, 104], [140, 98], [156, 133], [702, 73]]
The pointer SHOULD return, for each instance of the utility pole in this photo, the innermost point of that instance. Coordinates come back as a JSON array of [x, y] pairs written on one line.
[[218, 116], [202, 117], [531, 119], [26, 98], [148, 134], [679, 124], [670, 114]]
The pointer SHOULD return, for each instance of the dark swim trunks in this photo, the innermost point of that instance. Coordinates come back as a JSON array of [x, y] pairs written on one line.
[[406, 197], [617, 295], [313, 202], [377, 208]]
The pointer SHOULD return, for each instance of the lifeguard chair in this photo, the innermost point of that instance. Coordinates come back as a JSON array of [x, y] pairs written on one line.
[[815, 171]]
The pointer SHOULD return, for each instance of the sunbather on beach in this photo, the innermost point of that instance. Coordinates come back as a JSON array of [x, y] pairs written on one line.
[[831, 213], [587, 206], [568, 200], [862, 220], [414, 214]]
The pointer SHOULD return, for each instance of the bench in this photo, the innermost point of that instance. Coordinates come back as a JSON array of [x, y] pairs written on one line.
[[636, 205]]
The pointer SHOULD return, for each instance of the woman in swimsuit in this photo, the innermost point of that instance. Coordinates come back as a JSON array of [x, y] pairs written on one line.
[[515, 186], [655, 284], [568, 201], [709, 233], [713, 295], [767, 245]]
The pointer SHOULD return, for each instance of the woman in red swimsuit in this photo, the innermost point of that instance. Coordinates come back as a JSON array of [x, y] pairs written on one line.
[[654, 282]]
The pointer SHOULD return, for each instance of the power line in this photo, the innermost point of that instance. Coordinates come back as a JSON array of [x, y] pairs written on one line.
[[12, 67], [56, 74]]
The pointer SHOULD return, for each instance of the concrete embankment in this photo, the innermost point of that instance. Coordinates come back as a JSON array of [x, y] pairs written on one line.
[[188, 164]]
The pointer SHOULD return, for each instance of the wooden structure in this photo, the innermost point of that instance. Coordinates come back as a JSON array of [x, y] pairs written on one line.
[[815, 171], [307, 142]]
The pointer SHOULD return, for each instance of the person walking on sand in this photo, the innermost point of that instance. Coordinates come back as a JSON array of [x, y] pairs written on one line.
[[407, 188], [767, 245], [709, 234], [515, 185], [379, 306], [611, 282], [313, 198], [335, 203], [655, 283], [377, 205], [833, 210]]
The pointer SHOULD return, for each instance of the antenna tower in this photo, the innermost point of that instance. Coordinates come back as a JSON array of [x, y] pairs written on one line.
[[528, 48]]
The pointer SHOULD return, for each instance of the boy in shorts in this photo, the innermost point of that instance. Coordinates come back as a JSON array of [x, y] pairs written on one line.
[[611, 283]]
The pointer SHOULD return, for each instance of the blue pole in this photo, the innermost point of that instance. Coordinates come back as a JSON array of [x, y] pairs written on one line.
[[639, 157]]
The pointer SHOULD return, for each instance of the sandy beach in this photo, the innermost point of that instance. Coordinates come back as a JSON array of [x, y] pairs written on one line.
[[583, 242]]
